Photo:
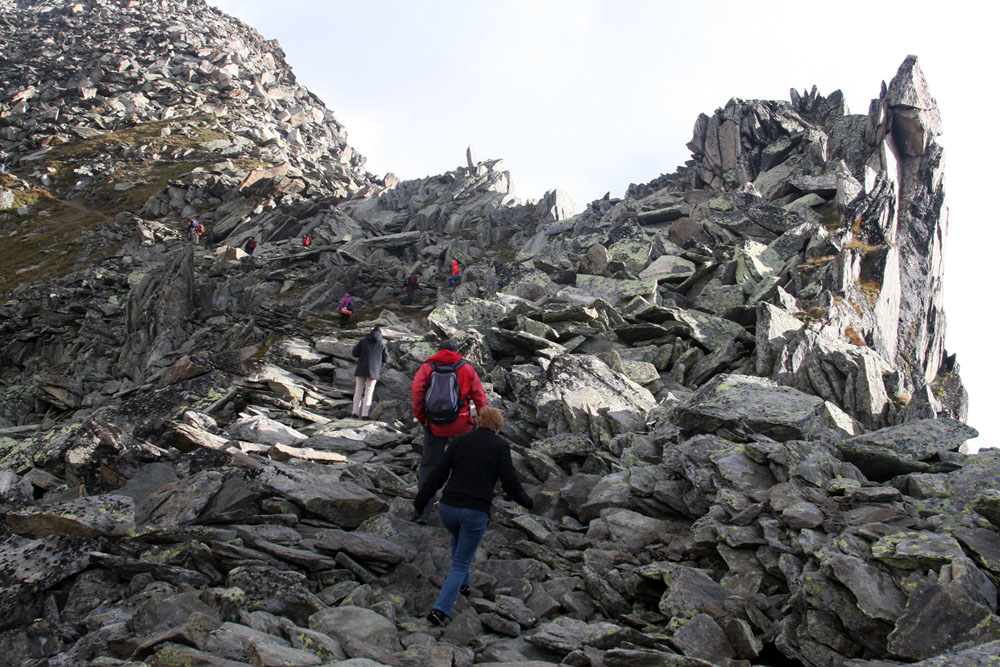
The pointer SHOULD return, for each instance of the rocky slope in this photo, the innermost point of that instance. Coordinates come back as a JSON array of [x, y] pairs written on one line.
[[727, 391]]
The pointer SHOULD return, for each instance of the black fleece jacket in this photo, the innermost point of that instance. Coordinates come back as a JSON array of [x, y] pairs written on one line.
[[471, 465]]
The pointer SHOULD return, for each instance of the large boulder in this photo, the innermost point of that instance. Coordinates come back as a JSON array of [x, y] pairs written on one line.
[[744, 404], [582, 395]]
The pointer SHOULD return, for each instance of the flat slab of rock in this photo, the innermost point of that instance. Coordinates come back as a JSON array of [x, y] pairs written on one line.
[[669, 268], [264, 430], [758, 405], [565, 635], [918, 440], [471, 313], [362, 545], [314, 487], [109, 515], [589, 289], [917, 550], [710, 331]]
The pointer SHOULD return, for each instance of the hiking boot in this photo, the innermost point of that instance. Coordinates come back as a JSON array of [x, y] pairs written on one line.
[[438, 618]]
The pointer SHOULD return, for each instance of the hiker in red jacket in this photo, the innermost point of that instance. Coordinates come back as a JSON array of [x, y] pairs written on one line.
[[436, 434], [456, 275]]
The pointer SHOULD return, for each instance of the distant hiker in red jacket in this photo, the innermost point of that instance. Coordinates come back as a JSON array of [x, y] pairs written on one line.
[[438, 426], [250, 245], [307, 240], [456, 275]]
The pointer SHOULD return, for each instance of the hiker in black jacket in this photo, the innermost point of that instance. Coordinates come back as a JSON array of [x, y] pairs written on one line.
[[371, 352], [471, 465]]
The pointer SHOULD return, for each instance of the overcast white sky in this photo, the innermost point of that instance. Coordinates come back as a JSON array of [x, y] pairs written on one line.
[[591, 95]]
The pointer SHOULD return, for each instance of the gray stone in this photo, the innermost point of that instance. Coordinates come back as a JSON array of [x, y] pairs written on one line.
[[941, 618], [280, 592], [701, 637], [350, 624], [877, 594], [28, 568], [688, 593], [264, 430], [582, 395]]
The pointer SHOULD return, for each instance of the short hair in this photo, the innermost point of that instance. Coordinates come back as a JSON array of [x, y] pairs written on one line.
[[449, 345], [491, 418]]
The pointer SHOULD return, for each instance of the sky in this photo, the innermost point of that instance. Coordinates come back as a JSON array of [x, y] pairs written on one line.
[[589, 96]]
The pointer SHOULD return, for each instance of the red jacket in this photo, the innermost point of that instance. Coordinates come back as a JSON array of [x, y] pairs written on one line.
[[469, 385]]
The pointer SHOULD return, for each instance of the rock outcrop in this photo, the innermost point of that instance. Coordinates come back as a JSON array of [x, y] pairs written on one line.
[[727, 391]]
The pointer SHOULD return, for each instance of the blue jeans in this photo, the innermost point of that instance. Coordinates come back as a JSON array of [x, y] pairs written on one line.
[[467, 527], [455, 277]]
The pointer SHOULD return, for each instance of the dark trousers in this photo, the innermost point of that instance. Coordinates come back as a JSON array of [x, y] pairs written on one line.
[[408, 299], [434, 447], [344, 318]]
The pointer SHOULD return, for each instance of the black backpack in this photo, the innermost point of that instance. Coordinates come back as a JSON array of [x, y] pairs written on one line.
[[442, 396]]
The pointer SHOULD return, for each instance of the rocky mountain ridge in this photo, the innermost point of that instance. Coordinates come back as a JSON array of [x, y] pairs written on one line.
[[727, 390]]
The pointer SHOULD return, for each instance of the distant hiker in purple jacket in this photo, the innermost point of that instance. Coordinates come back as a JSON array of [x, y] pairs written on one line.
[[346, 309]]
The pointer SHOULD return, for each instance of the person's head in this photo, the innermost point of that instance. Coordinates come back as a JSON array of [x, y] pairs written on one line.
[[490, 418], [449, 345], [347, 295], [418, 274]]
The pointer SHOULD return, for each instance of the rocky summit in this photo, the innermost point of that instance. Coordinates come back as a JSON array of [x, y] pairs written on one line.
[[727, 391]]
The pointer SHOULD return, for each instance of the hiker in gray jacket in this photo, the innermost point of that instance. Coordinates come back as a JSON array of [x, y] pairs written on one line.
[[371, 352]]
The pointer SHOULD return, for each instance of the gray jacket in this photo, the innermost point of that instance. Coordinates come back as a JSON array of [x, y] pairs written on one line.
[[371, 352]]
